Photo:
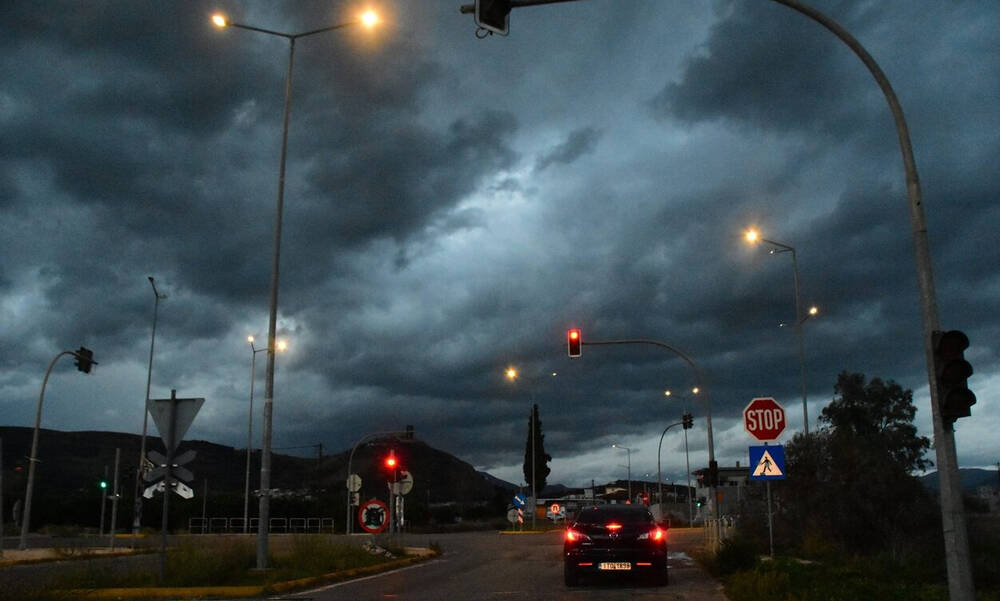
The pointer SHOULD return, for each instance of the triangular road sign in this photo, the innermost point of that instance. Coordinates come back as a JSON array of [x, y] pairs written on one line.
[[185, 410], [767, 466]]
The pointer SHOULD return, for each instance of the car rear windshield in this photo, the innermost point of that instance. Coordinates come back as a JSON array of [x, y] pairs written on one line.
[[607, 515]]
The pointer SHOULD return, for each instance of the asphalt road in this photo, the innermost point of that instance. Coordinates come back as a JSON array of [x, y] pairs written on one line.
[[493, 566]]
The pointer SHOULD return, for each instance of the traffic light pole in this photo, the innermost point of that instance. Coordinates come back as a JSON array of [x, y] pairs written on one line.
[[659, 474], [708, 403], [33, 458], [349, 523]]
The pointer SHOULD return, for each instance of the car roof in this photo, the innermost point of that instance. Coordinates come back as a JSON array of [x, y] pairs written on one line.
[[605, 512]]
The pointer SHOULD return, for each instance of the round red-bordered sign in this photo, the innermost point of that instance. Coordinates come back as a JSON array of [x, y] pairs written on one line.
[[373, 516]]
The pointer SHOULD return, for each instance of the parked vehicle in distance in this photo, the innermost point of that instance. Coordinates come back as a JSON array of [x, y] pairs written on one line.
[[615, 539]]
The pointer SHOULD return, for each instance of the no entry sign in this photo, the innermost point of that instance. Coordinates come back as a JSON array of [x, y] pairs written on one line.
[[764, 419]]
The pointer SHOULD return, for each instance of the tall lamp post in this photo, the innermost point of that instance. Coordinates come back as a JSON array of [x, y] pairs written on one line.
[[753, 236], [628, 468], [253, 369], [687, 459], [511, 374], [368, 19], [137, 504]]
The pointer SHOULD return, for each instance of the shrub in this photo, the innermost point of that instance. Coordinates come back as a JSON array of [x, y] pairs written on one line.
[[736, 554]]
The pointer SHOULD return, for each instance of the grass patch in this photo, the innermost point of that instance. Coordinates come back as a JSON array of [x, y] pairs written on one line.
[[200, 562], [860, 579]]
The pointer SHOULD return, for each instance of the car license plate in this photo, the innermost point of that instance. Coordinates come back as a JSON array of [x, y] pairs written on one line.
[[617, 565]]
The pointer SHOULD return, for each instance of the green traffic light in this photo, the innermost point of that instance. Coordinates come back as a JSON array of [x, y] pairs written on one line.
[[104, 484]]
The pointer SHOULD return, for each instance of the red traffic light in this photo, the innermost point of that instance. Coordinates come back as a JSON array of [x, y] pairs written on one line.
[[574, 340]]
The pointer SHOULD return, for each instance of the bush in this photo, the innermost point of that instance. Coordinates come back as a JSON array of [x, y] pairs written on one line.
[[735, 555]]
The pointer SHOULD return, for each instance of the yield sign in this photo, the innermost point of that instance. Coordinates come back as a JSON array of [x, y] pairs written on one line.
[[182, 412], [767, 462]]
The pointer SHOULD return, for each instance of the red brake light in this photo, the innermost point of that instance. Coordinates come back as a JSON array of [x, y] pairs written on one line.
[[614, 526], [572, 536], [658, 535]]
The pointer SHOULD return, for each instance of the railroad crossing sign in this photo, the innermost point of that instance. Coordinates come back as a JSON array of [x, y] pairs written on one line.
[[764, 419], [177, 469], [177, 486], [767, 462], [373, 515]]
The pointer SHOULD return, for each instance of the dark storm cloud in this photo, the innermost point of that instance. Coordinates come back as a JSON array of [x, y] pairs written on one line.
[[453, 205], [764, 66], [578, 143]]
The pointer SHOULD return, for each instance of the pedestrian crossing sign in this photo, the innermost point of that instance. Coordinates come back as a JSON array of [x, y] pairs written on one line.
[[767, 462]]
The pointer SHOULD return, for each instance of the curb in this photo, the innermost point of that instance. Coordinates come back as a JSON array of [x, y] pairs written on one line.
[[201, 592]]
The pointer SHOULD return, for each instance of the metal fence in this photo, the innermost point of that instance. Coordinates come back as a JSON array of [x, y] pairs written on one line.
[[275, 525], [718, 530]]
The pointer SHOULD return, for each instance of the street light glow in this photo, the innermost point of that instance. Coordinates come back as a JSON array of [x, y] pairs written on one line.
[[282, 345], [369, 19], [752, 236], [250, 339], [219, 20], [813, 310]]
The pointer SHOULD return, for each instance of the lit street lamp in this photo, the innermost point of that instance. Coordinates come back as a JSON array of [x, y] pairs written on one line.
[[512, 374], [628, 467], [687, 459], [753, 237], [369, 19], [253, 369], [137, 504]]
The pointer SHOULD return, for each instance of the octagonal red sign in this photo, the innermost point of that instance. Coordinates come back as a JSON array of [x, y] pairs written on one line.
[[764, 419]]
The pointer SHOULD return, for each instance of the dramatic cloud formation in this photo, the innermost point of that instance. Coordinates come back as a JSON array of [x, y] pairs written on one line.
[[453, 205]]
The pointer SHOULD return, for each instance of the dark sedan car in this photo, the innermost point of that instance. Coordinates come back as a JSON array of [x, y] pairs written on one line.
[[615, 539]]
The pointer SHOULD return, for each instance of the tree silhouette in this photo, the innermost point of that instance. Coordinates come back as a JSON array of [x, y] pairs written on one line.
[[542, 458]]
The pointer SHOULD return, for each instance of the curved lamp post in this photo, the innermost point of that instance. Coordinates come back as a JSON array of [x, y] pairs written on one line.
[[687, 458], [369, 19], [253, 369], [628, 468], [753, 237]]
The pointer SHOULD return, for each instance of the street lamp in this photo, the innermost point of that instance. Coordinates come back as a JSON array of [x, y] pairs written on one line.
[[253, 368], [368, 20], [687, 458], [628, 467], [512, 374], [137, 504], [753, 237]]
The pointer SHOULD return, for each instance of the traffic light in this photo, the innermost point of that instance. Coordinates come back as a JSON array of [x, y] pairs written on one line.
[[103, 484], [84, 359], [493, 15], [687, 420], [954, 397], [574, 340], [390, 462]]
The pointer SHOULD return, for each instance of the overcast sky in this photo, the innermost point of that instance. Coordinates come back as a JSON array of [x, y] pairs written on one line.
[[453, 205]]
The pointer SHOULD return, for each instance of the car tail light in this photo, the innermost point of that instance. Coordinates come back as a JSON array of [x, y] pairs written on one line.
[[614, 527], [572, 536], [656, 535]]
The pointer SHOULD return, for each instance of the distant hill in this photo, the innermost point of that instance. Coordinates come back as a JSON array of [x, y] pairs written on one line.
[[972, 479], [73, 463]]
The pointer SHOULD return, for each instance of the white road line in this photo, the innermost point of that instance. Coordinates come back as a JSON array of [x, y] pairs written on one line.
[[353, 580]]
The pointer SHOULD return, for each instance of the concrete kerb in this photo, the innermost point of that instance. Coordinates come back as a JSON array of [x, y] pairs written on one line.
[[414, 555]]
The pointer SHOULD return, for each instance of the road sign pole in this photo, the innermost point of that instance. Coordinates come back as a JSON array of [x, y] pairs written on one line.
[[114, 499], [770, 523], [170, 445]]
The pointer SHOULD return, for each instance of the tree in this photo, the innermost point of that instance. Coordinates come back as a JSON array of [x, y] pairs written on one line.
[[851, 483], [542, 459]]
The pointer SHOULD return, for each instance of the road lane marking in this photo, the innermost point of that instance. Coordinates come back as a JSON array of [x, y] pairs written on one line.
[[352, 581]]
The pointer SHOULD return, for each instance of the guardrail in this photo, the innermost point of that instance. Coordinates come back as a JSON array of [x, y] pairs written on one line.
[[275, 525], [718, 530]]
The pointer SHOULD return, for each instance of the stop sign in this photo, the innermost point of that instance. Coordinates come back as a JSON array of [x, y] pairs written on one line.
[[764, 419]]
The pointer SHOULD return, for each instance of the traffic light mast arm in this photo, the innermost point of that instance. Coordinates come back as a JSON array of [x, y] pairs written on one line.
[[468, 9], [701, 385]]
